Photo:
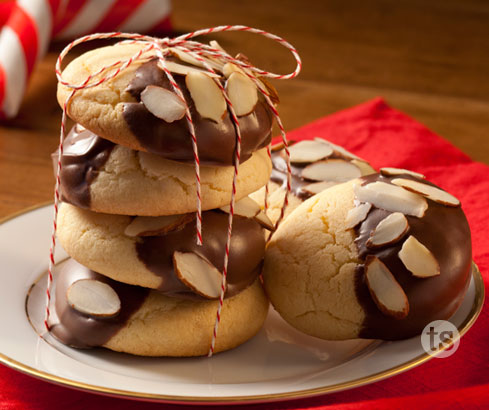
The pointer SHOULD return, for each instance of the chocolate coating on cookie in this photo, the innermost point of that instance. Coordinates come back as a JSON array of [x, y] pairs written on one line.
[[79, 330], [245, 257], [297, 182], [279, 175], [215, 140], [445, 232], [84, 154]]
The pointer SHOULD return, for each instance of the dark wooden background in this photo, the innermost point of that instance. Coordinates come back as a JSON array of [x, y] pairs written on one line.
[[429, 58]]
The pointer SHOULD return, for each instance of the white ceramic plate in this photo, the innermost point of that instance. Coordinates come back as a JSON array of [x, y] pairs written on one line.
[[278, 363]]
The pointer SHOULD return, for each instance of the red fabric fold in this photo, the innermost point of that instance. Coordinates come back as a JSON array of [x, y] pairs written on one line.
[[385, 137]]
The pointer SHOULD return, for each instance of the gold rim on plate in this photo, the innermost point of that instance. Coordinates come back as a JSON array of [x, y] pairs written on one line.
[[463, 328]]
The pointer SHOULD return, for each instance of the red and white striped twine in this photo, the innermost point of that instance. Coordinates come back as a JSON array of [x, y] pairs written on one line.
[[159, 47], [29, 26]]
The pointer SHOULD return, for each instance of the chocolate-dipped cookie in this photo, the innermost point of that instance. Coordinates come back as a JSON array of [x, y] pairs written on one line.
[[105, 177], [377, 257], [315, 166], [142, 250], [145, 322], [139, 109]]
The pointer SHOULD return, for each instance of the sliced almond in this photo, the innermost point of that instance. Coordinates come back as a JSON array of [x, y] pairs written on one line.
[[263, 219], [242, 93], [309, 151], [246, 207], [163, 103], [208, 98], [357, 214], [365, 167], [418, 259], [391, 198], [430, 192], [386, 292], [230, 68], [185, 69], [217, 60], [280, 145], [336, 170], [272, 92], [388, 231], [156, 225], [243, 58], [339, 149], [277, 147], [187, 58], [217, 46], [317, 187], [93, 298], [198, 274], [399, 171]]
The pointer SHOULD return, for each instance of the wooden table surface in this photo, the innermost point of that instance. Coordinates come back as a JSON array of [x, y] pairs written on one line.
[[427, 58]]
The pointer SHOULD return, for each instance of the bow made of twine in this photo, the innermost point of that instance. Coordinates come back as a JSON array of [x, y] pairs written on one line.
[[161, 48]]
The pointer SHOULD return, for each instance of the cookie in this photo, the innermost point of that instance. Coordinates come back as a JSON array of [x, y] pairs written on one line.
[[315, 166], [148, 323], [110, 245], [115, 109], [377, 257], [99, 175]]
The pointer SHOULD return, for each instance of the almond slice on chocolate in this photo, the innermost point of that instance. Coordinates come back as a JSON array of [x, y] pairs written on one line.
[[198, 274], [277, 147], [391, 198], [386, 292], [230, 68], [208, 98], [309, 151], [418, 259], [430, 192], [280, 145], [388, 231], [263, 219], [317, 187], [157, 225], [93, 298], [339, 149], [163, 103], [272, 92], [336, 170], [246, 207], [365, 167], [389, 171], [242, 93], [357, 214], [185, 69], [187, 58]]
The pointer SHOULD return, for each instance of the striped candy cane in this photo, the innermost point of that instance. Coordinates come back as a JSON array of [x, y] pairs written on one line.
[[96, 16], [23, 40], [31, 24]]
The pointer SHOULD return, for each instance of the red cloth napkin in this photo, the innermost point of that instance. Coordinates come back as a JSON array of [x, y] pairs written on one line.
[[385, 137]]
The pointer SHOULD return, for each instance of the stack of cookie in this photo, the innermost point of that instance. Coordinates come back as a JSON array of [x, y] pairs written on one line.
[[137, 280]]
